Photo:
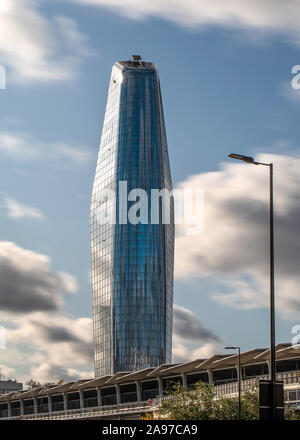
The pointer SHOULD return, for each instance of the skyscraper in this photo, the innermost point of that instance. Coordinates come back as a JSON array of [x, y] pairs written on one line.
[[132, 263]]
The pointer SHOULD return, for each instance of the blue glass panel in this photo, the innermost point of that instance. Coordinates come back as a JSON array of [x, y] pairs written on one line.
[[132, 265]]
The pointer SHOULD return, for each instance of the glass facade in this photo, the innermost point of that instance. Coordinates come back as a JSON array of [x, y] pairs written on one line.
[[132, 264]]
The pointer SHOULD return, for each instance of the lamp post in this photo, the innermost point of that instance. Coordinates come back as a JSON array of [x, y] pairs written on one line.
[[250, 160], [239, 376]]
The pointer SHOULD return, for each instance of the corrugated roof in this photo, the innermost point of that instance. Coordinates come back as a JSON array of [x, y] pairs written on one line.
[[29, 393], [7, 397], [232, 360], [157, 371], [94, 383], [181, 368], [62, 388], [207, 363], [114, 379], [136, 375], [216, 362]]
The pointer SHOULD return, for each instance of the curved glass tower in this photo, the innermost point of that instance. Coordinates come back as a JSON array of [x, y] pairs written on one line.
[[132, 263]]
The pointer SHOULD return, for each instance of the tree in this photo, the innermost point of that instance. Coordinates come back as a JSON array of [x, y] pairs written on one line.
[[31, 384], [226, 408], [292, 413], [201, 403]]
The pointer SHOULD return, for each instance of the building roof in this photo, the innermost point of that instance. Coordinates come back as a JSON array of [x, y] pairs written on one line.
[[113, 379], [28, 393], [288, 352], [7, 397], [283, 351], [94, 383], [45, 389], [136, 64], [76, 385], [232, 360], [265, 355], [216, 362], [207, 364], [182, 368], [158, 370], [61, 388], [136, 375]]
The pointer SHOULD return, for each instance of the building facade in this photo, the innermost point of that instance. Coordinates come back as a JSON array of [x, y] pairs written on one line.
[[8, 386], [132, 261], [126, 395]]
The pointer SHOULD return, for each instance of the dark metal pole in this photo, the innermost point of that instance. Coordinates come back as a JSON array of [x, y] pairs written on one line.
[[239, 367], [272, 371], [272, 299]]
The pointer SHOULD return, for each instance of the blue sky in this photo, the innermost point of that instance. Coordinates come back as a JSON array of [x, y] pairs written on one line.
[[225, 76]]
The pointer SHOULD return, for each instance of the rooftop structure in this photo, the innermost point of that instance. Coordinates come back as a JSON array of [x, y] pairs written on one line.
[[8, 386], [111, 394]]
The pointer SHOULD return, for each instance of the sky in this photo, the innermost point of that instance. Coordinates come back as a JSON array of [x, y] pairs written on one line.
[[226, 77]]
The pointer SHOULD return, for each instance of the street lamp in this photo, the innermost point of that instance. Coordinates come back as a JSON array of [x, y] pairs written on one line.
[[239, 376], [250, 160]]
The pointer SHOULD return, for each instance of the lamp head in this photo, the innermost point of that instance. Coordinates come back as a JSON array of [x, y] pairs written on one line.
[[247, 159]]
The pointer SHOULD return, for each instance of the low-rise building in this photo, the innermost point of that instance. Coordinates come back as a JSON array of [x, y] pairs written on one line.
[[127, 394], [8, 386]]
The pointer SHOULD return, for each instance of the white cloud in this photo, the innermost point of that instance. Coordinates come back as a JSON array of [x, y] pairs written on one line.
[[79, 154], [206, 351], [28, 284], [63, 340], [183, 352], [37, 49], [6, 372], [187, 327], [43, 343], [23, 147], [48, 346], [258, 16], [48, 372], [40, 339], [18, 210], [68, 281], [234, 247], [188, 333]]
